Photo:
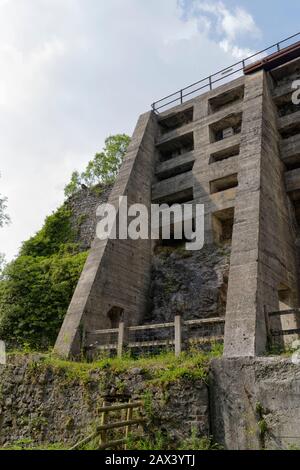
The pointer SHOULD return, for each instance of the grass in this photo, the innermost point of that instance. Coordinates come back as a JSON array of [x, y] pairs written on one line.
[[162, 368], [29, 445]]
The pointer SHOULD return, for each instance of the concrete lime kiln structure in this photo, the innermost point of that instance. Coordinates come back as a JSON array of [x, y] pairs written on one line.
[[236, 149]]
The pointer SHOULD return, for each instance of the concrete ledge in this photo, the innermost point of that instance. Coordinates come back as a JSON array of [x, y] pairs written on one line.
[[171, 186], [166, 169]]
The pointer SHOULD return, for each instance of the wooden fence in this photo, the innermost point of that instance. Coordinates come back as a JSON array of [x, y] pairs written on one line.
[[126, 337], [281, 333], [106, 425]]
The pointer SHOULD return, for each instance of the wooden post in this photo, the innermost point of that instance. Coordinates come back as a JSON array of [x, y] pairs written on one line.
[[129, 416], [178, 335], [103, 422], [121, 338]]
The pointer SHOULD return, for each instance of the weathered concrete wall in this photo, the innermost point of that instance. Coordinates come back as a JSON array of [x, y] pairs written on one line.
[[117, 272], [255, 403], [50, 404], [264, 254], [229, 158]]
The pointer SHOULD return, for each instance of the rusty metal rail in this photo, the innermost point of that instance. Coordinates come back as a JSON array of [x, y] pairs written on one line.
[[206, 84]]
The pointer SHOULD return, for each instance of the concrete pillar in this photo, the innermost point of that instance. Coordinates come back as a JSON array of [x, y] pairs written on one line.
[[117, 272], [263, 245]]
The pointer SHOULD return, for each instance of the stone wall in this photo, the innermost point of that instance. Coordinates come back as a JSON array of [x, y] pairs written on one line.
[[248, 403], [255, 403], [83, 206], [44, 403]]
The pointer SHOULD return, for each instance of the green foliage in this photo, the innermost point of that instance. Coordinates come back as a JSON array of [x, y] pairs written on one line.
[[262, 425], [196, 442], [4, 218], [54, 235], [157, 442], [2, 265], [37, 287], [160, 370], [104, 167]]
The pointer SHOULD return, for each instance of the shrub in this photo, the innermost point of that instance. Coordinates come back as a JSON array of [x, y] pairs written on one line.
[[37, 287]]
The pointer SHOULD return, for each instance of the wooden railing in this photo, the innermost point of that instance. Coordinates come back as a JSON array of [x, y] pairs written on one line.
[[107, 425], [126, 337]]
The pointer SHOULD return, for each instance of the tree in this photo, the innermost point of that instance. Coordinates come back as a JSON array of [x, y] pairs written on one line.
[[4, 219], [2, 264], [104, 167], [36, 288]]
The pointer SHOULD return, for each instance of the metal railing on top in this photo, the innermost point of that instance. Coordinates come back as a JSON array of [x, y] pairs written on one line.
[[209, 82]]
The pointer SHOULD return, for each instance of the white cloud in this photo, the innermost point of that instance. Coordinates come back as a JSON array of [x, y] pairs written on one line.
[[75, 71], [230, 25]]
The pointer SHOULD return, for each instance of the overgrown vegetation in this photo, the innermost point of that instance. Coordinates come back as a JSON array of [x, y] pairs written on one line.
[[36, 288], [159, 372], [165, 368], [104, 167], [4, 220]]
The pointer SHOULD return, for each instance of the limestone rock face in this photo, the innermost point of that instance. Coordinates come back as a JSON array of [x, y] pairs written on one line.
[[191, 283]]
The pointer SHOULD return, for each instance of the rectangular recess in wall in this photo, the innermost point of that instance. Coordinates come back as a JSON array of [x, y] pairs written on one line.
[[226, 99], [292, 163], [224, 154], [291, 131], [222, 225], [226, 127], [180, 169], [223, 184], [287, 107], [180, 197], [176, 120], [175, 147]]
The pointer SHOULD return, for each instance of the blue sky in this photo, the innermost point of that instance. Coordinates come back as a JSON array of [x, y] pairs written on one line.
[[75, 71]]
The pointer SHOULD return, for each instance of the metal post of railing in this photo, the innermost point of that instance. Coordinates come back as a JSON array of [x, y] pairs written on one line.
[[278, 47], [210, 82], [181, 96]]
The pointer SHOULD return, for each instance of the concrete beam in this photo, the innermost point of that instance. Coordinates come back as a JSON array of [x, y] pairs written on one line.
[[286, 122], [290, 149], [175, 165], [292, 180], [166, 191], [186, 129]]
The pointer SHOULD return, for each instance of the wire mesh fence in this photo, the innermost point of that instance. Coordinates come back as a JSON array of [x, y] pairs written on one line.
[[154, 338]]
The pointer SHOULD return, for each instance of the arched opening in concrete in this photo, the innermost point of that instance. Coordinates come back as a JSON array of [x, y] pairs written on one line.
[[115, 315]]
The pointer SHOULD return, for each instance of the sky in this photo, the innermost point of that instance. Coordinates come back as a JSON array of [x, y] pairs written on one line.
[[73, 72]]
